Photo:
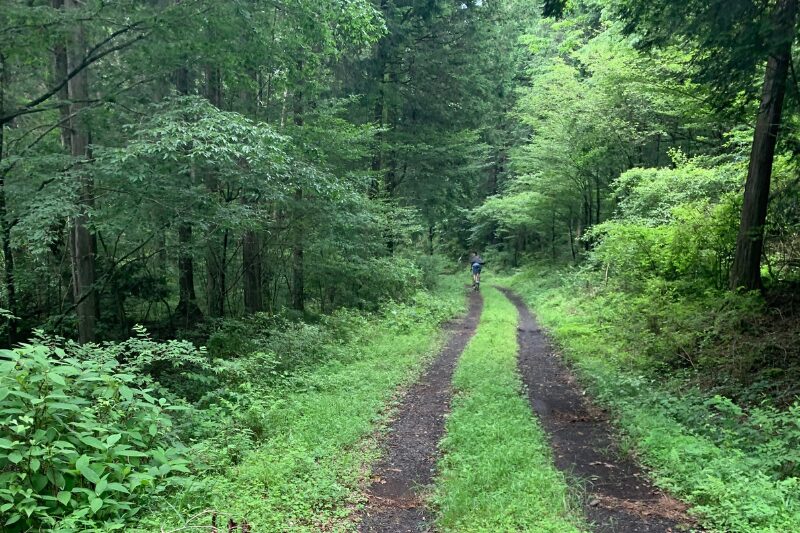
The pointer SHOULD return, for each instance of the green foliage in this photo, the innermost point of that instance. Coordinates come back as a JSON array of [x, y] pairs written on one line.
[[290, 449], [696, 246], [92, 444], [83, 445], [729, 38], [497, 472], [432, 267], [651, 195]]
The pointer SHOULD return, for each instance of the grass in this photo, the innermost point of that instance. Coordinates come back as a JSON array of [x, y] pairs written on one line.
[[306, 474], [497, 472], [724, 461]]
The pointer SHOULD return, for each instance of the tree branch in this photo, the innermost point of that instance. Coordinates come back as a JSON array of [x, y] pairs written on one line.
[[89, 59]]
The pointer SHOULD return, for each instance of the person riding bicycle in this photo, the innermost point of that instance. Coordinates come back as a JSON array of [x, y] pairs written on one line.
[[476, 264]]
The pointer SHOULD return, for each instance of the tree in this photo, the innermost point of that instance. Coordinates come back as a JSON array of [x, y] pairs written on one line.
[[81, 240], [731, 41], [746, 269]]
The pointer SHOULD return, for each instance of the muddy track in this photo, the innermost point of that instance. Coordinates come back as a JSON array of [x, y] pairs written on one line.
[[399, 481], [618, 496]]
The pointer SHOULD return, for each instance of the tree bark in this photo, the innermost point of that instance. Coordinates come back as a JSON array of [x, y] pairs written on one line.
[[298, 262], [5, 223], [251, 263], [80, 238], [215, 253], [60, 72], [187, 310], [379, 108], [746, 269], [215, 273], [298, 270], [572, 237], [597, 192]]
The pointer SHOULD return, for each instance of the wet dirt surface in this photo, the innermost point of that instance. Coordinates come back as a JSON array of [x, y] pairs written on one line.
[[617, 497], [396, 495]]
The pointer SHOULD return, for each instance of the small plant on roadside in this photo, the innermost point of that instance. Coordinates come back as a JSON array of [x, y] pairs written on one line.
[[83, 446]]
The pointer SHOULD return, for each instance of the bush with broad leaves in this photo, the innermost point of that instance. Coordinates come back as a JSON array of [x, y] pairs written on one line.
[[82, 445]]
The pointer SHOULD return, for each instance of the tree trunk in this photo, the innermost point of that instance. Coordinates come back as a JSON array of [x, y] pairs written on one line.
[[80, 238], [215, 253], [8, 256], [572, 238], [298, 267], [746, 269], [60, 72], [379, 109], [5, 223], [597, 192], [298, 270], [215, 274], [251, 263], [187, 310]]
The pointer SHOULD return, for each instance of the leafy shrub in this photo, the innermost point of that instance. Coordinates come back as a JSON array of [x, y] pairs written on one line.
[[431, 268], [386, 278], [650, 195], [83, 445], [696, 246], [424, 308], [292, 342], [177, 367]]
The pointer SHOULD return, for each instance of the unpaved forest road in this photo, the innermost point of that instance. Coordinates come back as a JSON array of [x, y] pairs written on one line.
[[395, 497], [619, 498]]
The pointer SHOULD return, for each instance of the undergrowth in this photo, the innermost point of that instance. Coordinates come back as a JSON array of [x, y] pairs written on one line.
[[286, 442], [497, 472], [721, 441]]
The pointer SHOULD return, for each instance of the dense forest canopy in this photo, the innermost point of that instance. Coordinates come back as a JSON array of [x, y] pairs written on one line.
[[166, 162], [173, 161], [208, 170]]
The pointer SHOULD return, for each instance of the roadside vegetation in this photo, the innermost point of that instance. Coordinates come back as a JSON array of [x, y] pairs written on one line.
[[497, 473], [303, 438], [274, 425], [728, 446], [626, 217]]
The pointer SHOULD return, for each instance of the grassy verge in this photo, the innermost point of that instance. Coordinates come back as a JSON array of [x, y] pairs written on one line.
[[733, 465], [306, 471], [497, 472]]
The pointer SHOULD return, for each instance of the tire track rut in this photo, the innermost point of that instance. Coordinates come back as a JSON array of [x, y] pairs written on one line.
[[396, 495], [618, 498]]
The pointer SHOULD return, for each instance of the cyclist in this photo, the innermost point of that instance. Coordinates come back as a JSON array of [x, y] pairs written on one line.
[[476, 264]]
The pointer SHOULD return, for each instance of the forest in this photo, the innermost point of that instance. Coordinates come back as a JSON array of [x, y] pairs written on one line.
[[243, 241]]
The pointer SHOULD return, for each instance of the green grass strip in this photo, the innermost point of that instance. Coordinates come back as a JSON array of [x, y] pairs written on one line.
[[497, 472]]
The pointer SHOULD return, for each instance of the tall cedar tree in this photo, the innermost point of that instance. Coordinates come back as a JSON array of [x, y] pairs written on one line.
[[732, 40]]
